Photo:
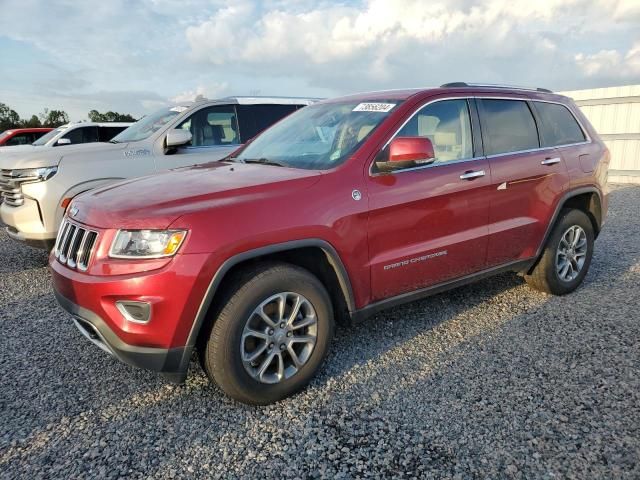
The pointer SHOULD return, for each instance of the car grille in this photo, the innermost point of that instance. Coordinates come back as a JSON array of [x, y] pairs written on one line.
[[75, 245], [10, 188]]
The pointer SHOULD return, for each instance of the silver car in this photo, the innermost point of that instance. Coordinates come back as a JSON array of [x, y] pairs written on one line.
[[38, 185]]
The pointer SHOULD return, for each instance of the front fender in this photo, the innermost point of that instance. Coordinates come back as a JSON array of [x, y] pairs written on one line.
[[76, 190]]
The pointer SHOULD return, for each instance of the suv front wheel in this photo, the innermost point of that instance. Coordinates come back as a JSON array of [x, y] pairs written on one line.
[[567, 255], [271, 336]]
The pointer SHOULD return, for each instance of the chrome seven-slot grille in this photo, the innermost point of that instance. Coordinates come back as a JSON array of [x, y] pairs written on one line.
[[10, 188], [74, 245]]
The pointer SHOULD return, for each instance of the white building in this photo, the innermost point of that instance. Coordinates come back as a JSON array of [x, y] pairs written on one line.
[[615, 114]]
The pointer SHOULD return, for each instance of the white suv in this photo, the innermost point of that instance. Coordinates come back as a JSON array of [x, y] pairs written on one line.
[[71, 134], [37, 186]]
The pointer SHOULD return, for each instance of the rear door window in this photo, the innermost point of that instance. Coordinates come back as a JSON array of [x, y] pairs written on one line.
[[82, 135], [253, 119], [558, 125], [507, 126]]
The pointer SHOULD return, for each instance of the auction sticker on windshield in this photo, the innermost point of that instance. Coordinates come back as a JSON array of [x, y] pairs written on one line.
[[374, 107]]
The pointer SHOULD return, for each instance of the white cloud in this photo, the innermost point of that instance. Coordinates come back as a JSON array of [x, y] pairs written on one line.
[[73, 52], [382, 43], [611, 63], [210, 91], [628, 10]]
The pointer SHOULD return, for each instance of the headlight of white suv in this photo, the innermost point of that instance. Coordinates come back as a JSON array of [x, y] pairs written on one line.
[[146, 243]]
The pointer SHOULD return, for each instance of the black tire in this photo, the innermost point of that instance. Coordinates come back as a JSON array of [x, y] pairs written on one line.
[[545, 276], [222, 354]]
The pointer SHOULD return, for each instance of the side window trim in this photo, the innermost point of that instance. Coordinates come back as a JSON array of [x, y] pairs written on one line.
[[477, 154], [541, 148], [476, 128], [538, 121], [241, 139]]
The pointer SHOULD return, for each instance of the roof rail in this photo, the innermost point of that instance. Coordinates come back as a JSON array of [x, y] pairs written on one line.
[[491, 85]]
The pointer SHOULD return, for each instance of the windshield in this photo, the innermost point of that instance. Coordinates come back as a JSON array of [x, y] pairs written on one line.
[[4, 134], [48, 136], [148, 125], [318, 137]]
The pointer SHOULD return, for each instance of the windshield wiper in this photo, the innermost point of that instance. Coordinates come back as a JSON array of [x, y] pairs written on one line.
[[263, 161], [113, 141]]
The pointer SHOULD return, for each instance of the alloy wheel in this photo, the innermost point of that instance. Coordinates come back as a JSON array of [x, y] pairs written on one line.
[[571, 253], [279, 337]]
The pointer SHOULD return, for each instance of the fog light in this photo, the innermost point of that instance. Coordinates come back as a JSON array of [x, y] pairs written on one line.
[[137, 312]]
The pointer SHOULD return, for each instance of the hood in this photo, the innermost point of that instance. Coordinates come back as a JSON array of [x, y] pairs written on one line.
[[43, 156], [18, 148], [158, 200]]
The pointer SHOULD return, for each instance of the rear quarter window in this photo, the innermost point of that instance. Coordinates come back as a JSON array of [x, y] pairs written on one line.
[[558, 126], [507, 126], [107, 133], [253, 119]]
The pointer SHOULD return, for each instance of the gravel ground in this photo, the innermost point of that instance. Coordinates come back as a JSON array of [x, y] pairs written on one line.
[[491, 380]]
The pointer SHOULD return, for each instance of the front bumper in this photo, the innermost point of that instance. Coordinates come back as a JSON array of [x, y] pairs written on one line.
[[171, 362], [24, 224], [174, 292]]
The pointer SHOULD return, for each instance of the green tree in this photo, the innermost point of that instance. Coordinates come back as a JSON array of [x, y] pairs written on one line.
[[96, 116], [33, 122], [9, 118], [54, 118]]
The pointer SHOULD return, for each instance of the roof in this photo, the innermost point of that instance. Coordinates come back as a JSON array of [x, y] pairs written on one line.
[[400, 94], [28, 129], [249, 100], [96, 124], [471, 88], [241, 100]]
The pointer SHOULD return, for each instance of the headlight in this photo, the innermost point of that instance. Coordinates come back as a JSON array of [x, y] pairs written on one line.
[[29, 175], [146, 243]]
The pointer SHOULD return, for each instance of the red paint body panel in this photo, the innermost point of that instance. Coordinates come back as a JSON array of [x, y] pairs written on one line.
[[174, 292], [426, 213], [14, 132], [404, 231], [522, 210]]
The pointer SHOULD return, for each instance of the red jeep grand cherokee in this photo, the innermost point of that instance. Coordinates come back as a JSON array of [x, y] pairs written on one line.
[[343, 208]]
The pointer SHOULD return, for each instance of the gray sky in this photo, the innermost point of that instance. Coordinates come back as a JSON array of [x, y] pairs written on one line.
[[134, 56]]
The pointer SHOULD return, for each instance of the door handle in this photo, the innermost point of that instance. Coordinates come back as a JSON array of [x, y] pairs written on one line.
[[472, 175], [550, 161]]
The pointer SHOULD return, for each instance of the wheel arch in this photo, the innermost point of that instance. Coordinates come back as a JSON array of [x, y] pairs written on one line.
[[316, 255], [586, 199]]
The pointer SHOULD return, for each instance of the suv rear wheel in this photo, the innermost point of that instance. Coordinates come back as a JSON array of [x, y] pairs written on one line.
[[271, 336], [567, 255]]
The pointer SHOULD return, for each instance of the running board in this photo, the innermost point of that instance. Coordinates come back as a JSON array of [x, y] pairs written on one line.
[[372, 309]]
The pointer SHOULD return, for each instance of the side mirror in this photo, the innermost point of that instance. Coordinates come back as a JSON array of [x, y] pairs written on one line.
[[407, 152], [63, 141], [177, 137]]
